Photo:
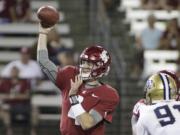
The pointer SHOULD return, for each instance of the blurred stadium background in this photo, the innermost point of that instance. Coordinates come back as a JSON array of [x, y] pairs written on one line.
[[121, 26]]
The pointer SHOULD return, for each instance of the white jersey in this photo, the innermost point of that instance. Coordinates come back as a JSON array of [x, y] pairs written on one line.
[[160, 119], [31, 70]]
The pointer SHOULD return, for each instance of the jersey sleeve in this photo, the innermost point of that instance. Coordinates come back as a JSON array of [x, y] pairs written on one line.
[[137, 106], [106, 107], [140, 129], [64, 75], [141, 126]]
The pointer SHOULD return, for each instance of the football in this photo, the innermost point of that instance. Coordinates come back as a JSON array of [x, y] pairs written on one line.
[[48, 16]]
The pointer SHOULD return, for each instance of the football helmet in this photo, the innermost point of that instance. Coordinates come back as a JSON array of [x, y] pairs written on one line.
[[160, 87], [174, 76], [99, 58]]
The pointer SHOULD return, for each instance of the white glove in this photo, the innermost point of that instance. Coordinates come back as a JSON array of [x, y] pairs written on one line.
[[45, 30]]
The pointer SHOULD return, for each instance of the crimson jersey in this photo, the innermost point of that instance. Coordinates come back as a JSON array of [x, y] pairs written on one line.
[[103, 99]]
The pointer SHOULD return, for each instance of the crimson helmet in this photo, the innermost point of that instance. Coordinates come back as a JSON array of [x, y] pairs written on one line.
[[99, 57]]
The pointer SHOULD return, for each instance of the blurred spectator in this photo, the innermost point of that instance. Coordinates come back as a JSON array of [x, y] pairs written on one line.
[[29, 69], [150, 4], [160, 4], [170, 4], [150, 36], [111, 6], [7, 13], [65, 56], [22, 10], [170, 39], [14, 11], [148, 40], [14, 95]]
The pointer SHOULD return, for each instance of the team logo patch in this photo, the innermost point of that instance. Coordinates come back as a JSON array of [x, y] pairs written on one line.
[[149, 84], [104, 56]]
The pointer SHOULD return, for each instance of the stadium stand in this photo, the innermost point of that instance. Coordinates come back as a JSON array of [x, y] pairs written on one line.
[[143, 14], [157, 60], [8, 42], [22, 28], [36, 4], [129, 4], [137, 18], [137, 27], [45, 96], [134, 18]]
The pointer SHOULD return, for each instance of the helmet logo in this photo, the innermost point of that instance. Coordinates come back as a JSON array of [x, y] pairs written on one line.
[[104, 56], [86, 56], [149, 84]]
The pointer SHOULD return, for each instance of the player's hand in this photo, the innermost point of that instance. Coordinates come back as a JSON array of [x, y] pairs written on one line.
[[75, 85], [44, 30]]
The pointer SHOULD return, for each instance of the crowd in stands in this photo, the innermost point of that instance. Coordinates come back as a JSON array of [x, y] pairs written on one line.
[[14, 11], [170, 39], [152, 37], [20, 77], [160, 4], [111, 6], [15, 99]]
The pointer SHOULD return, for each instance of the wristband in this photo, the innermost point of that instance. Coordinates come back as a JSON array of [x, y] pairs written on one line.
[[73, 99], [77, 109]]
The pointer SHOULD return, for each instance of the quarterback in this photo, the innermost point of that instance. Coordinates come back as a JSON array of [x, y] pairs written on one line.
[[87, 103], [162, 114]]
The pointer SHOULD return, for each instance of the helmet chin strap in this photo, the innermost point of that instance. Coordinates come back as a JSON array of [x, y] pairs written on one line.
[[93, 83]]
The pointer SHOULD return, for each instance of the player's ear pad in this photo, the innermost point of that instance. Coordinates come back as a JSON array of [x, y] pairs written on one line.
[[90, 101]]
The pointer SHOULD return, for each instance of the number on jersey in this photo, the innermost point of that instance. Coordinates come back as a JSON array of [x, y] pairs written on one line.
[[164, 114]]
